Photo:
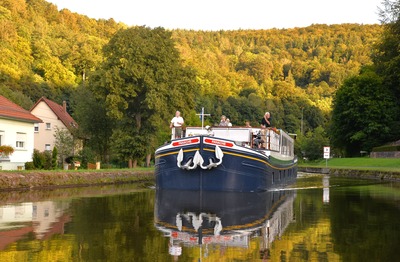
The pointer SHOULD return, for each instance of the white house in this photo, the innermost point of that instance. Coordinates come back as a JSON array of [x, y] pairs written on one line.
[[53, 116], [16, 130]]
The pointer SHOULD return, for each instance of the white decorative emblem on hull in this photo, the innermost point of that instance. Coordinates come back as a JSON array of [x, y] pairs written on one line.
[[198, 160]]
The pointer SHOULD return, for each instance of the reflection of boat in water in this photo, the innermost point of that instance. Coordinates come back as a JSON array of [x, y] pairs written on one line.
[[196, 218]]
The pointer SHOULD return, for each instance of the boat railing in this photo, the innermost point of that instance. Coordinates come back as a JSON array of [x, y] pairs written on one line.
[[240, 135], [273, 139], [287, 145], [276, 140]]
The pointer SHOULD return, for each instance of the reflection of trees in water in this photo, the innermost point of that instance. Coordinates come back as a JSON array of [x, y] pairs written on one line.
[[365, 225], [308, 239], [117, 228], [103, 228], [357, 223]]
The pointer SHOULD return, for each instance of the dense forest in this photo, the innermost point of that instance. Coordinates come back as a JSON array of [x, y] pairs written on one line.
[[293, 73], [46, 52]]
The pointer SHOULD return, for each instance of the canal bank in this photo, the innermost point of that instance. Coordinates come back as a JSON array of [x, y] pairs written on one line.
[[354, 173], [57, 179]]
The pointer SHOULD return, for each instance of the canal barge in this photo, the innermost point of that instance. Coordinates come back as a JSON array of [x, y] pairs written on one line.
[[226, 159]]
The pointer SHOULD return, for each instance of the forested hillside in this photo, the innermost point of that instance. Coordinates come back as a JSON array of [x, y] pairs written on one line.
[[303, 66], [45, 52], [293, 73], [318, 57]]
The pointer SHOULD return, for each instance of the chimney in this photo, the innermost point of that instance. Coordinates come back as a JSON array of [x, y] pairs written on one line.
[[65, 106]]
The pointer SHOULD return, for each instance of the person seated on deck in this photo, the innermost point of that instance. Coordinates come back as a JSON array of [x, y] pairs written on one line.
[[247, 124], [259, 141], [223, 121]]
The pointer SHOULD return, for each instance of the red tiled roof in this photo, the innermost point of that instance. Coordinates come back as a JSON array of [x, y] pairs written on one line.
[[60, 112], [9, 110]]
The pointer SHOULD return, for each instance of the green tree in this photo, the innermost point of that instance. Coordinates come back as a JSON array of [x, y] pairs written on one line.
[[387, 58], [38, 159], [363, 114], [143, 83], [54, 155], [313, 142], [95, 126], [64, 143]]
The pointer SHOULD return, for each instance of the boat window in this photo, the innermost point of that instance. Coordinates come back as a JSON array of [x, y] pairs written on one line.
[[287, 145]]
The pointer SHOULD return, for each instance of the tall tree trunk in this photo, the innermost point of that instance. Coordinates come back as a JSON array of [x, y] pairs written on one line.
[[130, 163], [135, 163], [138, 118], [148, 158]]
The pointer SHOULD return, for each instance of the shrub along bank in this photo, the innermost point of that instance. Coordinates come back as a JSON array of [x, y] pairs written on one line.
[[16, 180]]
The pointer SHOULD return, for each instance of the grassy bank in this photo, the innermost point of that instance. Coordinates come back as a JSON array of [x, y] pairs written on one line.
[[34, 179], [360, 163]]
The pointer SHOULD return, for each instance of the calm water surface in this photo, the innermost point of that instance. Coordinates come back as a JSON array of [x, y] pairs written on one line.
[[319, 219]]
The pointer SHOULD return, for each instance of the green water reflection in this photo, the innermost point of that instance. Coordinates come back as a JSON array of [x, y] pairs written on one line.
[[328, 219]]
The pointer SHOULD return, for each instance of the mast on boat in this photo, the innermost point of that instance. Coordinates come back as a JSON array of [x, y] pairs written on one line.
[[202, 115]]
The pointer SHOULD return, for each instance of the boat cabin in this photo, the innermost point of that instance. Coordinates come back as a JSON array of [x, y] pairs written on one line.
[[272, 139]]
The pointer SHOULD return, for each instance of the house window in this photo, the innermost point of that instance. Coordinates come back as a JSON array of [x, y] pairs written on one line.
[[47, 147], [36, 127], [20, 141], [48, 126]]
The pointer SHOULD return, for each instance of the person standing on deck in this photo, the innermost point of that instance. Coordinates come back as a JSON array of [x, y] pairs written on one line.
[[177, 123], [266, 120]]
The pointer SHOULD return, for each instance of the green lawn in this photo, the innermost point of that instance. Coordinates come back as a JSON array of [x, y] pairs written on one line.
[[364, 163]]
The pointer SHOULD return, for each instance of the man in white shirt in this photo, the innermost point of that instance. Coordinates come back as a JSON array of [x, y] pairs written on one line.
[[177, 123]]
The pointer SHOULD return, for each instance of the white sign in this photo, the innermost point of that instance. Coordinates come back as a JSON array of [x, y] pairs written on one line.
[[327, 151]]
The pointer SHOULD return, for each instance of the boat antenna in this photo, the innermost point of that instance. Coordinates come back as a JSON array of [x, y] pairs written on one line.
[[202, 117]]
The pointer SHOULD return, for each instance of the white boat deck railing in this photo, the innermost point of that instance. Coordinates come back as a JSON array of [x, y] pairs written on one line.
[[274, 139]]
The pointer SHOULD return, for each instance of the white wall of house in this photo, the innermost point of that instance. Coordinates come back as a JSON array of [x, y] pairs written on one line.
[[19, 135], [44, 136]]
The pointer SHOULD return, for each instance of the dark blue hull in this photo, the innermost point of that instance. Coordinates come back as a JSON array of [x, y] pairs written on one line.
[[240, 169]]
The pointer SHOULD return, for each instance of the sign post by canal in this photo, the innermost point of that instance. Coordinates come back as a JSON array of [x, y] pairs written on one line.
[[327, 152]]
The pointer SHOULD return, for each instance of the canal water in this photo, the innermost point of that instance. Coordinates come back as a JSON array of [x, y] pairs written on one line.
[[320, 218]]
